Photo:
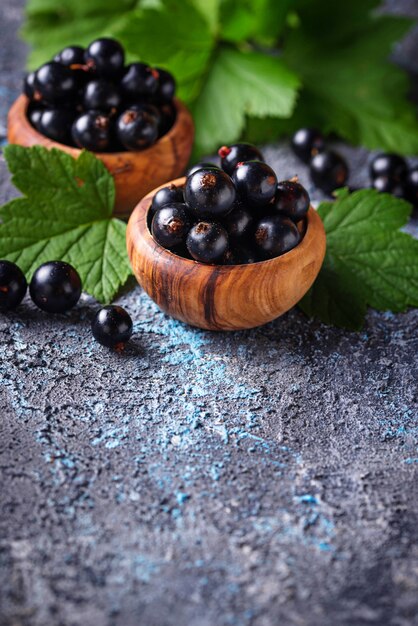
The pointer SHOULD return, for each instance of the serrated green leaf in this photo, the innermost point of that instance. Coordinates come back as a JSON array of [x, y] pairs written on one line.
[[350, 86], [175, 36], [241, 84], [64, 214], [369, 261]]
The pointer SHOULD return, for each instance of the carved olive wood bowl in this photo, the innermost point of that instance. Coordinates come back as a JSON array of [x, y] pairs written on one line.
[[135, 173], [223, 297]]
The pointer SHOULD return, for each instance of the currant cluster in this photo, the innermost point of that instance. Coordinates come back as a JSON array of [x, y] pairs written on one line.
[[55, 288], [328, 169], [90, 99], [234, 214], [390, 173]]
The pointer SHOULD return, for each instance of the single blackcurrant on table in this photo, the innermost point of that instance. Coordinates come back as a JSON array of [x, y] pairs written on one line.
[[306, 142], [12, 285], [329, 171], [112, 326], [391, 166], [55, 287]]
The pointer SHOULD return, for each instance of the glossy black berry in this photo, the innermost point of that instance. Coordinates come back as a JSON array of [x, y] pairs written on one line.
[[55, 287], [255, 182], [411, 186], [56, 124], [166, 85], [389, 185], [291, 199], [239, 224], [70, 56], [390, 165], [209, 192], [306, 142], [92, 131], [34, 114], [112, 326], [12, 285], [136, 129], [166, 195], [101, 95], [207, 242], [200, 166], [105, 57], [239, 255], [329, 171], [275, 235], [168, 115], [139, 80], [238, 153], [170, 225], [29, 85], [55, 83]]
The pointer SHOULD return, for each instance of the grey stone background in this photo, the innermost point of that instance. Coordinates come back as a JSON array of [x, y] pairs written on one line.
[[257, 478]]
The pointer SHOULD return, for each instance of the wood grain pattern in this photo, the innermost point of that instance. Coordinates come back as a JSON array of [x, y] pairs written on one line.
[[135, 173], [223, 297]]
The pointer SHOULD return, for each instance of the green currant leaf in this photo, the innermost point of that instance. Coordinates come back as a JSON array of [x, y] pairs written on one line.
[[65, 214], [369, 261], [251, 84]]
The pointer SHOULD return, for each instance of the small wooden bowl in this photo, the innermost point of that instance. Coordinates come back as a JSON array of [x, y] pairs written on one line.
[[135, 173], [223, 297]]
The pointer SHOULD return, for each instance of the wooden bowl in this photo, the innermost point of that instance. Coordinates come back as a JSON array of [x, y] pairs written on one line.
[[135, 173], [223, 297]]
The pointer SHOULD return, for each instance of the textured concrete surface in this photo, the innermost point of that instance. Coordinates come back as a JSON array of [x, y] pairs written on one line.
[[258, 478]]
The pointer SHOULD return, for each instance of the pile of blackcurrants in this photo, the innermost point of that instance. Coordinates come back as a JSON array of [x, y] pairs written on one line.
[[230, 215], [56, 288], [88, 98], [390, 174]]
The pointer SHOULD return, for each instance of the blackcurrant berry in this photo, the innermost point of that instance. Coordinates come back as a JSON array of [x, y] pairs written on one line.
[[390, 165], [34, 114], [136, 129], [411, 186], [166, 85], [255, 182], [167, 117], [239, 224], [29, 85], [329, 170], [105, 57], [92, 131], [55, 83], [139, 80], [209, 192], [166, 195], [101, 95], [389, 185], [55, 287], [12, 285], [72, 55], [207, 242], [306, 142], [200, 166], [291, 200], [170, 225], [56, 124], [239, 255], [238, 153], [275, 235], [112, 326]]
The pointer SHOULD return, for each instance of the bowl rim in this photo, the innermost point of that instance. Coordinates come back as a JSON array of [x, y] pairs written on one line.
[[312, 222], [20, 107]]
